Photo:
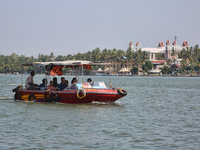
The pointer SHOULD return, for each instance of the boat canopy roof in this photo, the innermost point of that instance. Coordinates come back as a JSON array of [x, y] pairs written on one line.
[[63, 63]]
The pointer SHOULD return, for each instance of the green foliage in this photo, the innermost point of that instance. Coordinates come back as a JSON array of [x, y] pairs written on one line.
[[183, 64], [134, 70], [148, 66], [165, 70], [168, 62], [159, 56], [197, 66], [8, 63]]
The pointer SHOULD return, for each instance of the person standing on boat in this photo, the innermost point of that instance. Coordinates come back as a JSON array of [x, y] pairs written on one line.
[[62, 85], [29, 82]]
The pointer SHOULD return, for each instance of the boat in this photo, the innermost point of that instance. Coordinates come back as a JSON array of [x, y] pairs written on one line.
[[84, 92]]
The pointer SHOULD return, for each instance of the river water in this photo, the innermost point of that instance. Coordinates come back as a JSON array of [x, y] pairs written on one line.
[[158, 113]]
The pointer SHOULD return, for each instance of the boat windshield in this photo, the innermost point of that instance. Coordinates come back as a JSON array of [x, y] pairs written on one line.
[[99, 85], [95, 85]]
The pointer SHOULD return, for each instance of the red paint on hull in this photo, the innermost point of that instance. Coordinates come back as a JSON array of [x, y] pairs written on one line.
[[70, 96]]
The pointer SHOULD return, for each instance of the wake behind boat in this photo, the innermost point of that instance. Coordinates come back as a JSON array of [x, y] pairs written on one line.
[[81, 92]]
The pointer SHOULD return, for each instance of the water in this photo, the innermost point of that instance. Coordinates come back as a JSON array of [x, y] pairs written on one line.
[[158, 113]]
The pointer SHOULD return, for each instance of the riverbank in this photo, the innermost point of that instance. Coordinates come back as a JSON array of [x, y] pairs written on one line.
[[154, 75]]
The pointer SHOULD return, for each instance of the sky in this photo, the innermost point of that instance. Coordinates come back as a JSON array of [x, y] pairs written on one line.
[[33, 27]]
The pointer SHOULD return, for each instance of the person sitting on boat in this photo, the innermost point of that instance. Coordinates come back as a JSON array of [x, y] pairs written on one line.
[[74, 80], [29, 82], [51, 87], [43, 84], [73, 84], [62, 85], [67, 83], [90, 81], [55, 83]]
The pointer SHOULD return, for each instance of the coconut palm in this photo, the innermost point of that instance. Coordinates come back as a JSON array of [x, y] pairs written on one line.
[[159, 56], [183, 65], [168, 62], [104, 55], [196, 53]]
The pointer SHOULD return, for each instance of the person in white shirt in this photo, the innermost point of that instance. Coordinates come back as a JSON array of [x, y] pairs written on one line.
[[29, 82]]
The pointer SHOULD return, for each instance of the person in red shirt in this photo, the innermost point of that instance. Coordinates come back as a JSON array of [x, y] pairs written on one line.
[[51, 87]]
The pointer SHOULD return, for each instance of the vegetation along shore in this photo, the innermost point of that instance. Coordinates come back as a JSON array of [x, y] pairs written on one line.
[[134, 62]]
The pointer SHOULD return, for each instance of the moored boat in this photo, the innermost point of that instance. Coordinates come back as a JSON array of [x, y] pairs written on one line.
[[82, 92]]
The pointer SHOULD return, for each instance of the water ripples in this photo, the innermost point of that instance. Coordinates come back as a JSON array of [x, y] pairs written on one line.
[[157, 113]]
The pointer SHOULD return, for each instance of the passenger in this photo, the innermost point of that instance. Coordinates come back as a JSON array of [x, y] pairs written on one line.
[[51, 87], [67, 83], [73, 84], [90, 81], [74, 80], [29, 82], [43, 84], [55, 83], [62, 85]]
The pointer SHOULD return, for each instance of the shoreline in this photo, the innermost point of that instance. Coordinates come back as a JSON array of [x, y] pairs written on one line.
[[164, 75]]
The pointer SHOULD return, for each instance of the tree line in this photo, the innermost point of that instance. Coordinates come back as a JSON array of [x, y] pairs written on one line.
[[190, 59], [9, 63]]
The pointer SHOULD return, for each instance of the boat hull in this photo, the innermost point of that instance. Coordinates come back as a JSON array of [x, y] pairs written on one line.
[[69, 96]]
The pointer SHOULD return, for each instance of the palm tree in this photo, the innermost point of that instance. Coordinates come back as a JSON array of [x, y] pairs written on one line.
[[183, 65], [197, 66], [88, 56], [96, 54], [138, 58], [159, 56], [196, 52], [104, 55], [130, 56], [168, 62]]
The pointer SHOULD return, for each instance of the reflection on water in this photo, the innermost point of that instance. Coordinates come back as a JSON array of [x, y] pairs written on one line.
[[157, 113]]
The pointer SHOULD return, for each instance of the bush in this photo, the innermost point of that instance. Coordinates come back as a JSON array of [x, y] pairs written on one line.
[[134, 70]]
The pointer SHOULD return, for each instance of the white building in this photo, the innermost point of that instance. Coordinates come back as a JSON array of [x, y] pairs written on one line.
[[165, 51]]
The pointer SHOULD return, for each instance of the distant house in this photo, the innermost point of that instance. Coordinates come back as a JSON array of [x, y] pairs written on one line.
[[176, 66], [158, 64]]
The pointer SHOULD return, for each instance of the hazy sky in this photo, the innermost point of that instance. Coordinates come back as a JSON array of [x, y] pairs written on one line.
[[30, 27]]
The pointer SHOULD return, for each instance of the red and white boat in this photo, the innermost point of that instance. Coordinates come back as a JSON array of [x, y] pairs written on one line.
[[84, 92]]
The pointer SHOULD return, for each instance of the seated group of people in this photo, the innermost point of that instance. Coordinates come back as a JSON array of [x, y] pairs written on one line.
[[54, 86]]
